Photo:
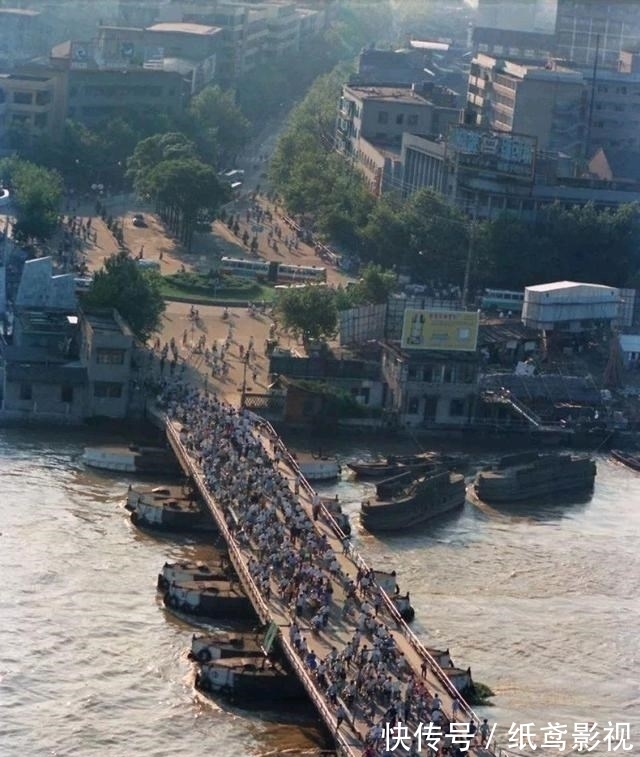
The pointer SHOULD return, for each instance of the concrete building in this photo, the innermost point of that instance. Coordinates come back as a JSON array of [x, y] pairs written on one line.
[[251, 33], [106, 350], [582, 26], [59, 364], [372, 120], [615, 115], [22, 36], [428, 388], [471, 175], [31, 104], [517, 15], [543, 100], [117, 73], [522, 45], [569, 306], [41, 289], [43, 378]]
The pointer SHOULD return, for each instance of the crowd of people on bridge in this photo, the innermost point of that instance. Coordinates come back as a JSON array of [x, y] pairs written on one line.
[[293, 564]]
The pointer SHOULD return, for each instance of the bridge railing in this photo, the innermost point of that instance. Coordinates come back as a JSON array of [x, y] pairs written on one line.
[[249, 585], [359, 562], [235, 555]]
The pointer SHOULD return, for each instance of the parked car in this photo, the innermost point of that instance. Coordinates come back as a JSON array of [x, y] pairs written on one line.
[[138, 221]]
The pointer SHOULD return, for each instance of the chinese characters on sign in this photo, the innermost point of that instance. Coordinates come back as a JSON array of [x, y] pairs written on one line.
[[562, 738], [502, 152], [440, 330]]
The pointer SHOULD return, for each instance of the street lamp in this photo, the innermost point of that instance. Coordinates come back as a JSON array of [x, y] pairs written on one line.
[[243, 393]]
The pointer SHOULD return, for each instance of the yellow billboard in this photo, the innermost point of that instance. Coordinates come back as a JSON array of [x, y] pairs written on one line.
[[440, 330]]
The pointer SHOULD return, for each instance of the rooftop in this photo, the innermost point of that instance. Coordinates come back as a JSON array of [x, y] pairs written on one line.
[[183, 28], [397, 94], [18, 12], [556, 286], [106, 321]]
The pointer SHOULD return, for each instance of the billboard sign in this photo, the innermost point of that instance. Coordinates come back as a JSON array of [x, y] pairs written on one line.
[[498, 151], [455, 330]]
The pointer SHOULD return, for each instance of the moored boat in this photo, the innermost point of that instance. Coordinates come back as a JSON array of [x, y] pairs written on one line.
[[393, 465], [166, 508], [131, 459], [220, 645], [318, 467], [210, 599], [187, 571], [531, 475], [404, 501], [627, 458], [249, 679]]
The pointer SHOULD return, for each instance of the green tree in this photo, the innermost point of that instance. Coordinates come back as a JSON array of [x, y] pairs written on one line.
[[153, 150], [37, 194], [218, 126], [309, 312], [582, 242], [135, 293], [374, 287], [187, 193]]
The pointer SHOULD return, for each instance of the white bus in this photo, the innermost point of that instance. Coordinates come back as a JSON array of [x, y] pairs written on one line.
[[502, 299], [271, 270], [249, 269], [299, 274]]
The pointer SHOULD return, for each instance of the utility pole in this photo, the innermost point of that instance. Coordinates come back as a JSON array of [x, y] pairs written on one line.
[[587, 148], [470, 253]]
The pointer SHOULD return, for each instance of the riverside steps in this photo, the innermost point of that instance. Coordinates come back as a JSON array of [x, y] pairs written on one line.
[[407, 664]]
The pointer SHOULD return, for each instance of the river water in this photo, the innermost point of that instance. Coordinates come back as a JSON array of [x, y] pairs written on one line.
[[544, 606]]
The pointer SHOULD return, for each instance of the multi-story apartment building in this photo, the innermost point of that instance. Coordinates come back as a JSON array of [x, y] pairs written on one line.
[[104, 83], [546, 101], [372, 120], [22, 36], [251, 33], [610, 26], [31, 104], [615, 115]]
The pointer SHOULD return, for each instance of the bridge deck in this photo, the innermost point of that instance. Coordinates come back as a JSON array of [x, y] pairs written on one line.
[[350, 737]]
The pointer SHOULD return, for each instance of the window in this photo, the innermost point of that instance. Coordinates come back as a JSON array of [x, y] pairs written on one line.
[[109, 357], [22, 98], [66, 394], [456, 408], [383, 117], [107, 389], [414, 405], [43, 98], [400, 119], [26, 392], [40, 120], [412, 120]]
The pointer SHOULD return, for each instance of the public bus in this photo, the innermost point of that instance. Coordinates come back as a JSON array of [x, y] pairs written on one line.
[[271, 270], [249, 269], [502, 299], [296, 274]]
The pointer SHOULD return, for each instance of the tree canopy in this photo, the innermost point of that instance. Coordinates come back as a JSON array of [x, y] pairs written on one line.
[[308, 312], [217, 125], [132, 291], [37, 194]]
